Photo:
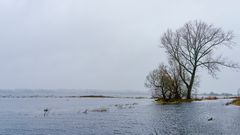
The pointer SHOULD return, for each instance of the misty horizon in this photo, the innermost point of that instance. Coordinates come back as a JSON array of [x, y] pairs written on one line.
[[103, 45]]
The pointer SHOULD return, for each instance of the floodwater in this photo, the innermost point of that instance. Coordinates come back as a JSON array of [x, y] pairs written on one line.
[[65, 116]]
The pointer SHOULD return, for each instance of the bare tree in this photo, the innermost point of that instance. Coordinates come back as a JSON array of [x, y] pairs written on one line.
[[165, 83], [193, 46], [177, 73], [157, 81]]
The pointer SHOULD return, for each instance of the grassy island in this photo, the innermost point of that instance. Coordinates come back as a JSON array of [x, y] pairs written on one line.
[[175, 101]]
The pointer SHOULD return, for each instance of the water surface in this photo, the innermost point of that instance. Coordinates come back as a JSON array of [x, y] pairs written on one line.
[[135, 116]]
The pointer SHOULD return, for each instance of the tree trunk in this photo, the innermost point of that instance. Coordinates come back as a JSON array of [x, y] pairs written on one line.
[[189, 91], [163, 94]]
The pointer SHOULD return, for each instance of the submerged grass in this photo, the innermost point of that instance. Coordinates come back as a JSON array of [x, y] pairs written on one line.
[[178, 101]]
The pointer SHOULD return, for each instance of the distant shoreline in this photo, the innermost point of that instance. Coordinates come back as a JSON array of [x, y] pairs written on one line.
[[85, 96], [96, 96]]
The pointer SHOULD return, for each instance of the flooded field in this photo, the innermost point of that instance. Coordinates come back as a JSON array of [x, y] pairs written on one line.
[[105, 116]]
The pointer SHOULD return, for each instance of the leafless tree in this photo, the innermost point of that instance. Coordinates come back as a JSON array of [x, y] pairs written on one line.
[[165, 83], [193, 46], [157, 82]]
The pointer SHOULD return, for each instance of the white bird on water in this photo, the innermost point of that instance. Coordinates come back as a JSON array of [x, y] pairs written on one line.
[[85, 111]]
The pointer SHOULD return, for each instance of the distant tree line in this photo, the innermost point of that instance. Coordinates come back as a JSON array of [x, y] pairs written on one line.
[[189, 49]]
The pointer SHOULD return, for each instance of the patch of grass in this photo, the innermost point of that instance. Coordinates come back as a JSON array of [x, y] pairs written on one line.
[[236, 102], [175, 101], [211, 98]]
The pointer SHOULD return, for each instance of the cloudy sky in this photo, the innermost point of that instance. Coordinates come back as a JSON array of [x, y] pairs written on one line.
[[107, 44]]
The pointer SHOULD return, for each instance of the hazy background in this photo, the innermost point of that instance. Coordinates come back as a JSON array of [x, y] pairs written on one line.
[[107, 44]]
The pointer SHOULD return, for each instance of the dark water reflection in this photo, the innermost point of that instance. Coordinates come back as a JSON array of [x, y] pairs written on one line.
[[23, 116]]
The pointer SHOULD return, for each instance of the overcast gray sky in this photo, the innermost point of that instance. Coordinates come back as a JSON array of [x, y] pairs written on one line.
[[102, 44]]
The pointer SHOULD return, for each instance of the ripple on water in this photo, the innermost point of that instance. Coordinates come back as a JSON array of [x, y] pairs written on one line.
[[145, 118]]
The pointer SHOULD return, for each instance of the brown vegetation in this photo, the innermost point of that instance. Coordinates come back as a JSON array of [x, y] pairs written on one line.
[[236, 102], [211, 98], [176, 101]]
